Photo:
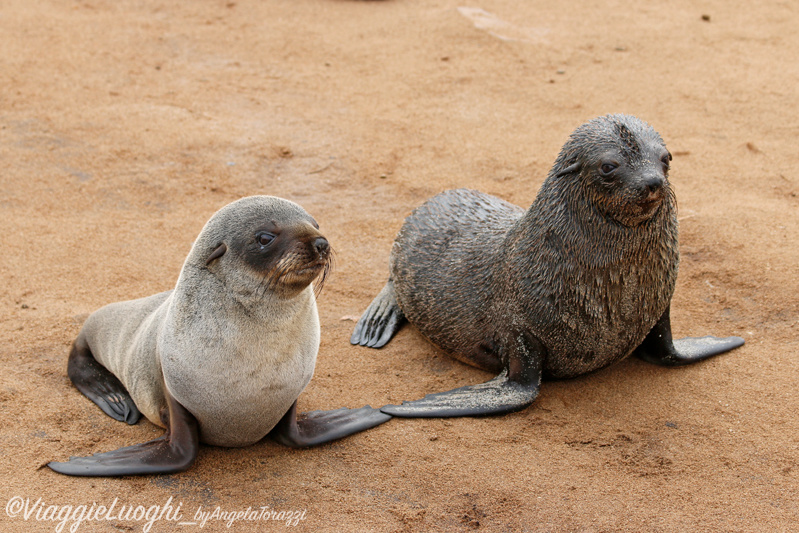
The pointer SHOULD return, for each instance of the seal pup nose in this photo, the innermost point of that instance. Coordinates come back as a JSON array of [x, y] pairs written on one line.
[[652, 185], [655, 184], [321, 246]]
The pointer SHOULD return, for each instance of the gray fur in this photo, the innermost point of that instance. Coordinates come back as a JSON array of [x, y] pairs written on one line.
[[588, 269], [233, 346]]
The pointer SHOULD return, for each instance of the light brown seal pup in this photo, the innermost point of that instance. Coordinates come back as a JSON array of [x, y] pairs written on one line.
[[579, 281], [222, 358]]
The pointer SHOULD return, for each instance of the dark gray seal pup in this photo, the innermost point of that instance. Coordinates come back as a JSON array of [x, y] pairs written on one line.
[[577, 282], [222, 358]]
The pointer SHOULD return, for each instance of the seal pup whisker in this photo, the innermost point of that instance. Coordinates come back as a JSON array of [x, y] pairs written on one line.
[[319, 282]]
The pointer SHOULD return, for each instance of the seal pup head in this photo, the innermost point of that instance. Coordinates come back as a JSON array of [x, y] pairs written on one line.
[[261, 245], [620, 165]]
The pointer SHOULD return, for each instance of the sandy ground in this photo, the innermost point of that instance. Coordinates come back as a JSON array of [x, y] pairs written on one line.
[[124, 124]]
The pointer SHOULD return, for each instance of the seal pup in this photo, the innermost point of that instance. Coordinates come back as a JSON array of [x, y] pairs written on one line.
[[221, 358], [577, 282]]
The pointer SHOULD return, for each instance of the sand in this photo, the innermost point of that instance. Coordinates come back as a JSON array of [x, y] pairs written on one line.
[[125, 124]]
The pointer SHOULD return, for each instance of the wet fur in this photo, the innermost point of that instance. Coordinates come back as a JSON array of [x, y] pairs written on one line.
[[586, 269]]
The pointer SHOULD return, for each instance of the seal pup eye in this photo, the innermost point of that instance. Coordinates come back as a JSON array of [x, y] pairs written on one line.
[[264, 238], [607, 168], [665, 160]]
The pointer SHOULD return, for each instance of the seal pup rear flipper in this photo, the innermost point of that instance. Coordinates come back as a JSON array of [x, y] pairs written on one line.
[[659, 348], [99, 385], [175, 451], [381, 320], [513, 389], [319, 427]]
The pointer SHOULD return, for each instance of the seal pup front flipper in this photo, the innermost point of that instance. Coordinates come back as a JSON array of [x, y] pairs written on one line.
[[513, 389], [99, 385], [318, 427], [381, 320], [659, 348], [175, 451]]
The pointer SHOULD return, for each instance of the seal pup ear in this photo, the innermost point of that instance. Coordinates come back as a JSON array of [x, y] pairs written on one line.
[[216, 254], [568, 170]]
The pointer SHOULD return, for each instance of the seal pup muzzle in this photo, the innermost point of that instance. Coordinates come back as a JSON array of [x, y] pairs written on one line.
[[580, 280], [221, 358]]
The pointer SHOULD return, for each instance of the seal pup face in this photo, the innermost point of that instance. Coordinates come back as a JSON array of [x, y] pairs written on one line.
[[288, 257], [622, 166], [275, 243]]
